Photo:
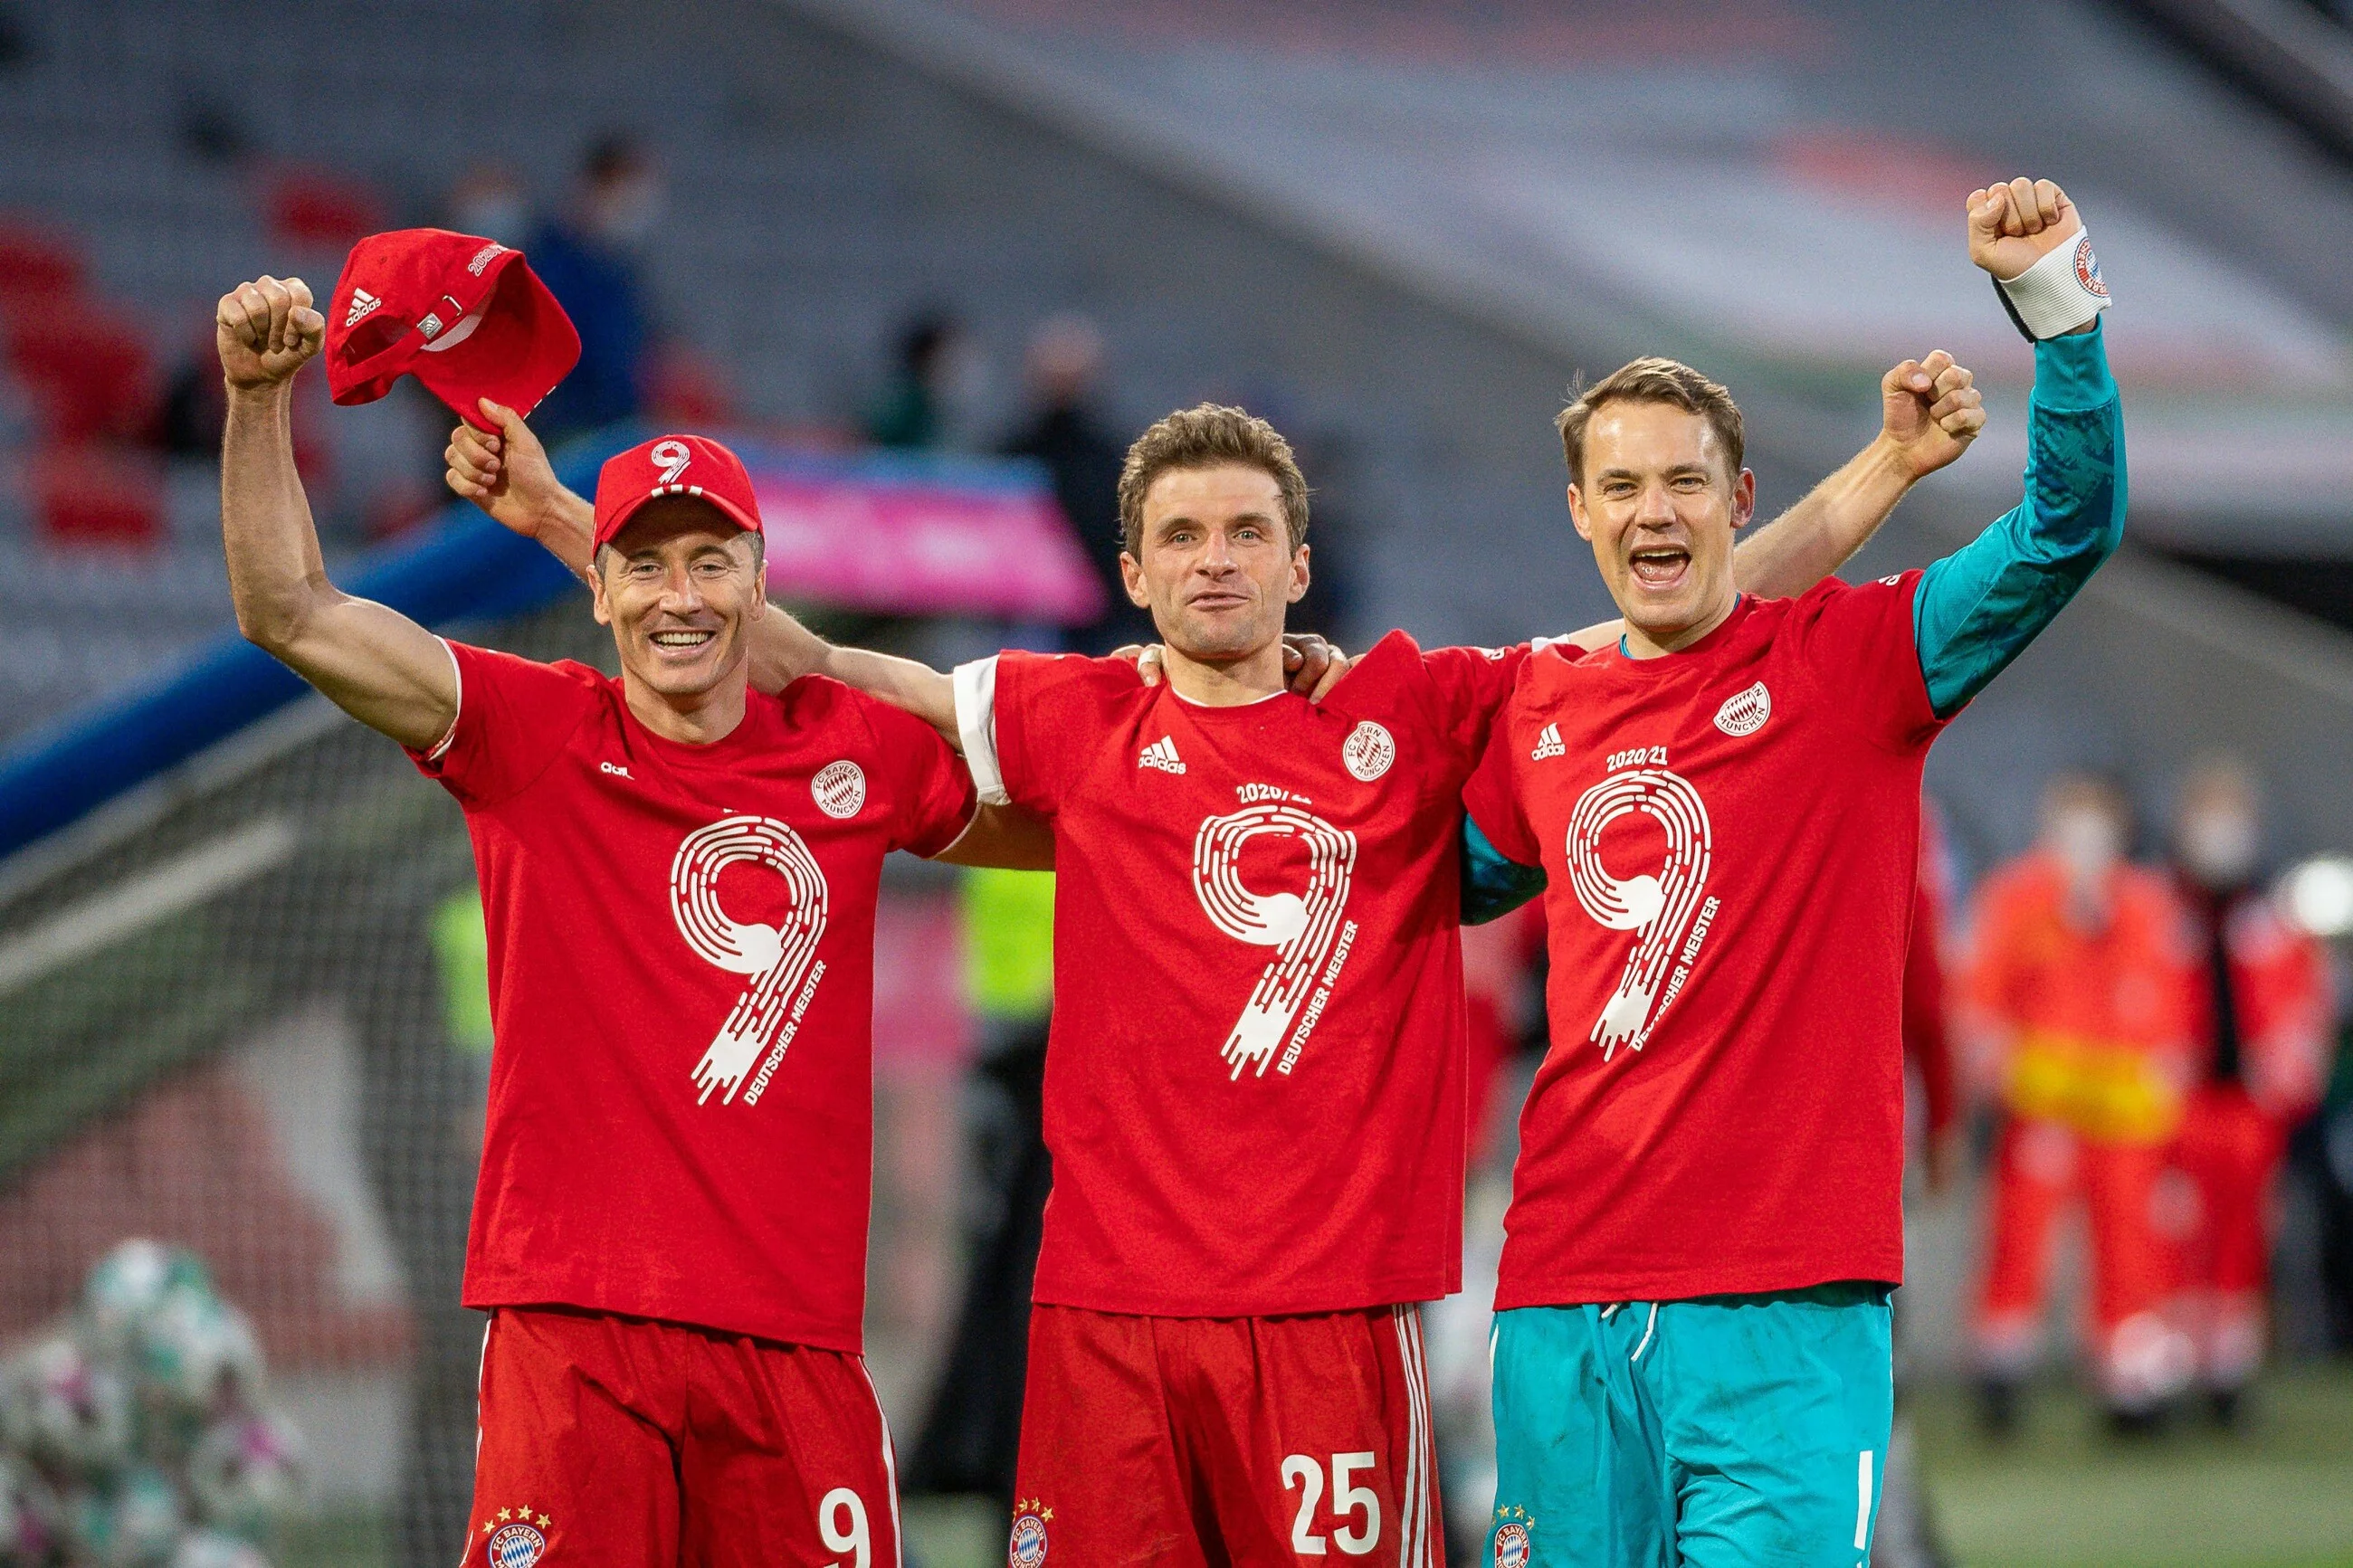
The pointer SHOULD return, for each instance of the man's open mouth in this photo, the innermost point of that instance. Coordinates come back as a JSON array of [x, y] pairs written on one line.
[[681, 641], [1659, 565]]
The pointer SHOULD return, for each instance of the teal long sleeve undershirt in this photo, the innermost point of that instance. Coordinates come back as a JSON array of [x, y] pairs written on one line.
[[1976, 609]]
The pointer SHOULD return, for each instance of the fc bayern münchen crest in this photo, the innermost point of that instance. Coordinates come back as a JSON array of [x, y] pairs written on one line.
[[1368, 751], [516, 1546], [2088, 268], [1512, 1545], [1028, 1548], [839, 788]]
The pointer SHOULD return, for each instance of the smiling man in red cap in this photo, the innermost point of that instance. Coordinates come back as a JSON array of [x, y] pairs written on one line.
[[678, 876]]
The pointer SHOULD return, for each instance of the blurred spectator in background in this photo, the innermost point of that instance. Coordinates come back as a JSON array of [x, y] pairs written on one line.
[[1066, 434], [490, 200], [590, 257], [913, 408], [2262, 1013], [973, 1433], [2076, 1006], [1329, 602]]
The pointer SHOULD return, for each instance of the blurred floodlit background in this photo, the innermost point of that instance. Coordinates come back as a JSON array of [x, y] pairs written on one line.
[[920, 256]]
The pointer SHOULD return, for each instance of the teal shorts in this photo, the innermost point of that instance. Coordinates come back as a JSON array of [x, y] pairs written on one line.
[[1745, 1431]]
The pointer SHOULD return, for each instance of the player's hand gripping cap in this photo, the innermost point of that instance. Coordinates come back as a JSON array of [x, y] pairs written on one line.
[[462, 314], [673, 466]]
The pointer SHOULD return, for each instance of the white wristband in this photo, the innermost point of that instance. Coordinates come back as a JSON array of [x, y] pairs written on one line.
[[2058, 293]]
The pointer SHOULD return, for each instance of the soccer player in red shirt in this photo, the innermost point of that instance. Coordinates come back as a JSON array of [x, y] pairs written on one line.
[[678, 876], [1691, 1346], [1254, 1095]]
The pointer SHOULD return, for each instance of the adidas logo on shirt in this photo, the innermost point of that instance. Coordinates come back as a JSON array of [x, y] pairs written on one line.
[[362, 305], [1161, 754], [1547, 744]]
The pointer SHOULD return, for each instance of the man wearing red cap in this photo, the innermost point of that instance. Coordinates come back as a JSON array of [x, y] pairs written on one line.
[[679, 877]]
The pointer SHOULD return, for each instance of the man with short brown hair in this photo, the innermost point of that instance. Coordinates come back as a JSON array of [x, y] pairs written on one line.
[[1210, 436], [1692, 1343], [1653, 380]]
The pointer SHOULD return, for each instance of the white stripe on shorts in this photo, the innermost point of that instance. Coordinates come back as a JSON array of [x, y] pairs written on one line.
[[890, 1466]]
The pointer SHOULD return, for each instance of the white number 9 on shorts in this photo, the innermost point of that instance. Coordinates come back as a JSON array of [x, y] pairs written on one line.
[[855, 1539]]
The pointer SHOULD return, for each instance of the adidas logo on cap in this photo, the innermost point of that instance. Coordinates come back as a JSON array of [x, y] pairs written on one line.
[[1547, 744], [363, 304], [1161, 754]]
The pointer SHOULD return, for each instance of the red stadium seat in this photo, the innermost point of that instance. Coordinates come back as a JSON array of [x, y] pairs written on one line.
[[314, 208], [36, 264], [98, 495], [89, 371]]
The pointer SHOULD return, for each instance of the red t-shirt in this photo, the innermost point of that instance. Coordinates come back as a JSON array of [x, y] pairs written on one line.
[[1730, 841], [681, 957], [1254, 1087]]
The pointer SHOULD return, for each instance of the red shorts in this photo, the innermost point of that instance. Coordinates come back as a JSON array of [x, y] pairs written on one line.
[[1249, 1441], [636, 1444]]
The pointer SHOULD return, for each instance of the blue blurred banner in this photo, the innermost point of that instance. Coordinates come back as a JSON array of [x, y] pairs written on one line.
[[889, 531]]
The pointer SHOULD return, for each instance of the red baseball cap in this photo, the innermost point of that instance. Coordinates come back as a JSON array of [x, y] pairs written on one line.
[[460, 313], [673, 466]]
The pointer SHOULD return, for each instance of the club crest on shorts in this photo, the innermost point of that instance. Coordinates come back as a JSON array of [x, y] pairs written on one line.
[[1367, 752], [517, 1545], [839, 788], [1511, 1544], [1744, 712], [1027, 1548]]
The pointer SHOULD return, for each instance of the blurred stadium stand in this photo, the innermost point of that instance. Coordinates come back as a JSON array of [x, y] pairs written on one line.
[[1408, 235], [1400, 238]]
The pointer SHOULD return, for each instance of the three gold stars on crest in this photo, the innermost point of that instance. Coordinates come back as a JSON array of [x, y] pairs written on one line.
[[515, 1515], [1033, 1505]]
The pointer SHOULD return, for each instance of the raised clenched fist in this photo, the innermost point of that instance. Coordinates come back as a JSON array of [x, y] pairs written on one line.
[[266, 330], [2013, 227], [1930, 411]]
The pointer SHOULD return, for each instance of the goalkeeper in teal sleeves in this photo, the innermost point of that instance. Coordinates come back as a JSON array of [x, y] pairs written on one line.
[[1692, 1351]]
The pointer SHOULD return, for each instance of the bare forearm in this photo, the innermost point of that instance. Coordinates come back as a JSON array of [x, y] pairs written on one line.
[[905, 683], [372, 662], [565, 526], [275, 570], [1822, 532], [1005, 837]]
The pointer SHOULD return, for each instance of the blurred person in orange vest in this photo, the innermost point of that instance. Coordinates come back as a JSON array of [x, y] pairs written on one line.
[[2074, 997], [2261, 1008]]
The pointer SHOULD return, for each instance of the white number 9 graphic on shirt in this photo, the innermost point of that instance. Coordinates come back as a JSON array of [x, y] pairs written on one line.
[[775, 959], [1299, 926], [1659, 908]]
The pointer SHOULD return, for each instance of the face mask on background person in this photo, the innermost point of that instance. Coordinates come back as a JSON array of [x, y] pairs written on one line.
[[494, 215], [2087, 841], [2218, 846], [624, 210]]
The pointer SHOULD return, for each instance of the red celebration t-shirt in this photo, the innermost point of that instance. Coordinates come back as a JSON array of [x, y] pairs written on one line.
[[682, 961], [1254, 1085], [1730, 840]]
